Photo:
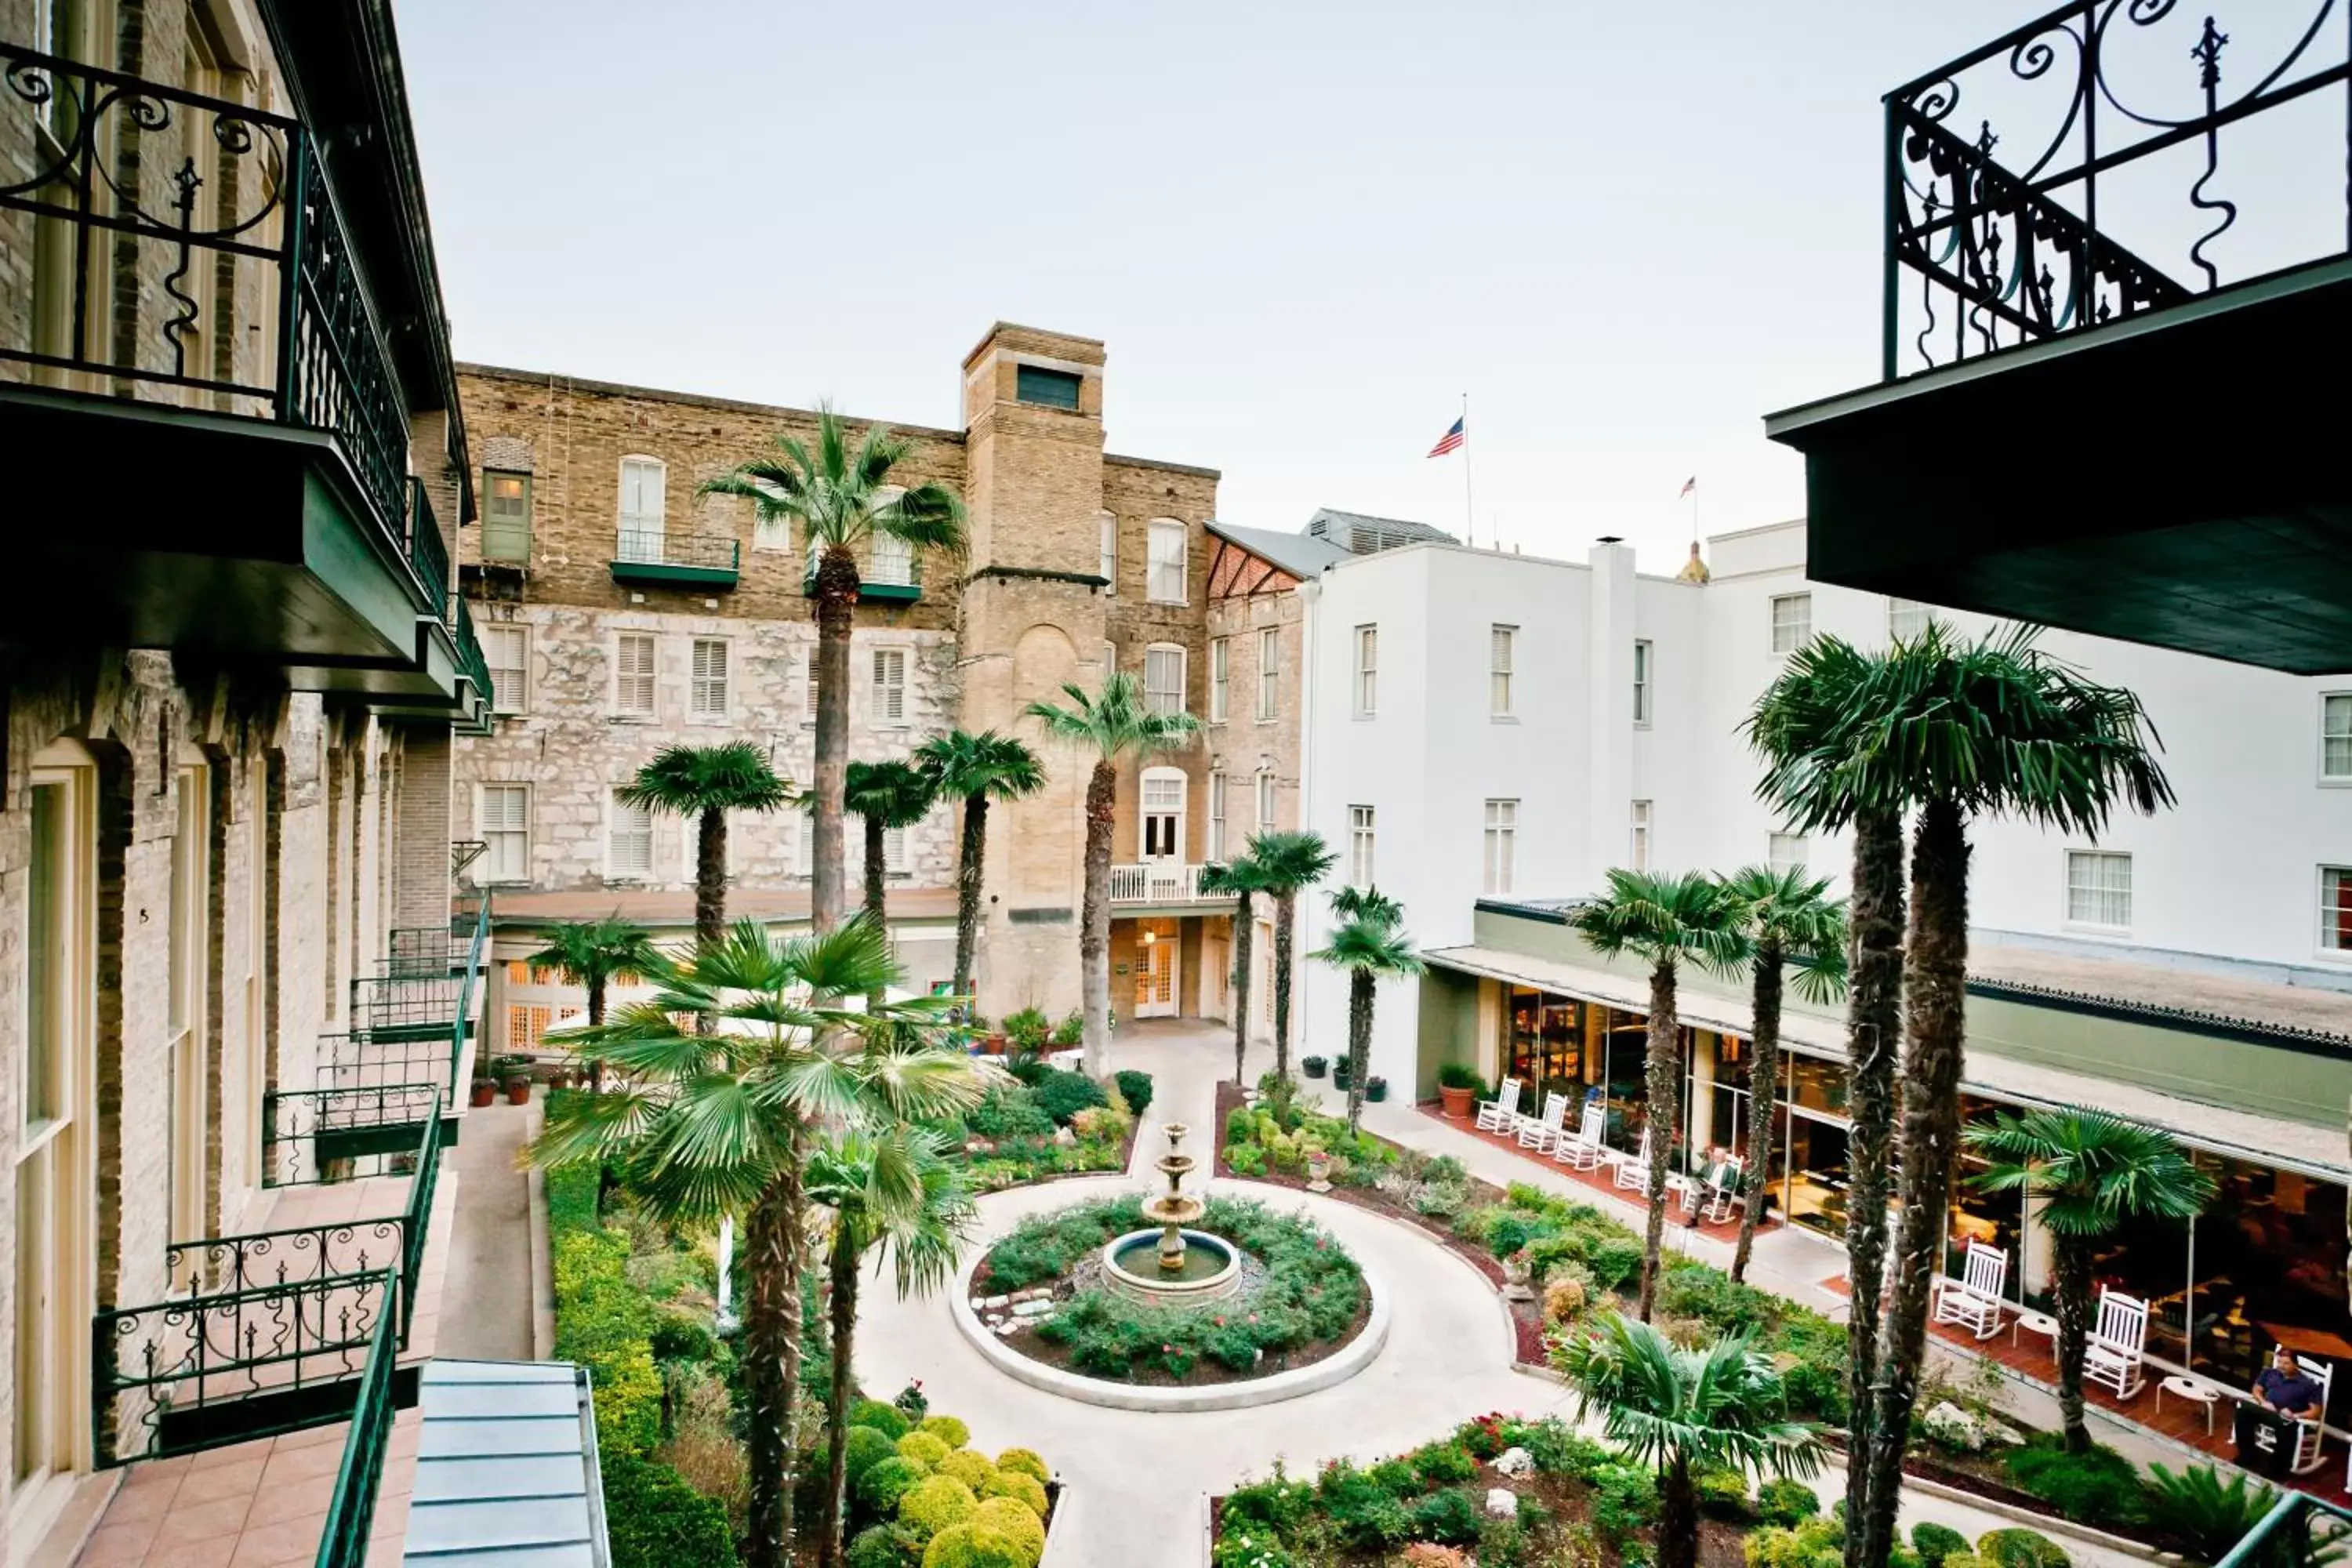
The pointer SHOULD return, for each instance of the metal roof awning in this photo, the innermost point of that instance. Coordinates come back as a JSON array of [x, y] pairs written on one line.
[[506, 1469]]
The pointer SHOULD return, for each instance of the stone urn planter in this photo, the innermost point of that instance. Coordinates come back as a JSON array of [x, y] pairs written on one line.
[[1514, 1278], [1318, 1171]]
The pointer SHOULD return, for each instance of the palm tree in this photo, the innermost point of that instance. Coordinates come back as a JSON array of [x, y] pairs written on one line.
[[2092, 1170], [839, 496], [884, 795], [1786, 922], [706, 783], [1663, 920], [594, 954], [1685, 1411], [1291, 863], [1371, 948], [1114, 723], [1241, 878], [976, 769], [897, 1190], [710, 1121]]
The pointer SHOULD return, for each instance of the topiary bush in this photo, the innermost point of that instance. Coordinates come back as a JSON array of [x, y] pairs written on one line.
[[947, 1430], [1013, 1519], [884, 1546], [1062, 1095], [867, 1447], [935, 1502], [654, 1519], [886, 1419], [2020, 1548], [1135, 1088], [925, 1448], [1027, 1461], [971, 1546], [1785, 1501], [1935, 1542], [1723, 1494], [877, 1490], [1020, 1487], [974, 1470]]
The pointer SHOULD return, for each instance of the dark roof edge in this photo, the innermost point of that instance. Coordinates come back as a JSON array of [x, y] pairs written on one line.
[[690, 399], [2287, 1037], [1193, 469]]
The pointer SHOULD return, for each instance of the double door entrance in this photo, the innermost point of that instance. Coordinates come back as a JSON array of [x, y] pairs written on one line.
[[1159, 955]]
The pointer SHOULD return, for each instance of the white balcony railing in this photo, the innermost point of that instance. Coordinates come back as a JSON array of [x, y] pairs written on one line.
[[1155, 882]]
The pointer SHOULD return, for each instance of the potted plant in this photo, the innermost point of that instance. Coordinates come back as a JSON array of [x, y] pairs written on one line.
[[486, 1092], [1313, 1066], [1342, 1071], [1459, 1087], [1376, 1089], [514, 1072], [1319, 1170]]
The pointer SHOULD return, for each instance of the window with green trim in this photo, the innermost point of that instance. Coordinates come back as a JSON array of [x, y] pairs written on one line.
[[1047, 388]]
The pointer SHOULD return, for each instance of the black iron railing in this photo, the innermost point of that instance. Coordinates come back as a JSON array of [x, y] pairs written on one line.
[[471, 662], [414, 950], [426, 555], [218, 206], [637, 547], [2021, 179], [359, 1479], [386, 1007]]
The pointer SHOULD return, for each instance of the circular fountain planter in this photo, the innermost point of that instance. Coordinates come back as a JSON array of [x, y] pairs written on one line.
[[1131, 1269]]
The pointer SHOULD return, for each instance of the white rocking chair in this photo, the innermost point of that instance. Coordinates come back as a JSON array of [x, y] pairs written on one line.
[[1580, 1150], [2310, 1435], [1974, 1300], [2112, 1358], [1542, 1131], [1634, 1170], [1499, 1114], [1723, 1187]]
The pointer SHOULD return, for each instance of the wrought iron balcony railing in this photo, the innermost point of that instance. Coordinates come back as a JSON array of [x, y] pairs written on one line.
[[427, 554], [409, 1023], [2014, 232], [359, 1479], [471, 662], [647, 551], [417, 952], [221, 213]]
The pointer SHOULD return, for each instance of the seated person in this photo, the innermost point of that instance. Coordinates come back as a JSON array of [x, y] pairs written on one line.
[[2284, 1388], [2264, 1429]]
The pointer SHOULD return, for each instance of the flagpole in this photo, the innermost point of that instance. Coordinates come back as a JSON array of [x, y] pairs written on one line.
[[1469, 516]]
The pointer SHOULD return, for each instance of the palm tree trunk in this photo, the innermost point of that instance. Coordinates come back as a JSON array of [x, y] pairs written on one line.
[[2071, 1266], [1677, 1516], [971, 864], [1286, 911], [711, 879], [771, 1360], [1244, 935], [1762, 1078], [1094, 920], [843, 1266], [595, 1018], [874, 869], [836, 607], [1360, 1044], [1935, 977], [1665, 1066], [1873, 1016]]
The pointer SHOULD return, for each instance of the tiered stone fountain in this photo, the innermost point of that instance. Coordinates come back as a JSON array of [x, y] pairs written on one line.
[[1173, 1266]]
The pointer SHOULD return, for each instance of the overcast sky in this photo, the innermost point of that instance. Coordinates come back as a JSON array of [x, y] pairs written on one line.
[[1304, 229]]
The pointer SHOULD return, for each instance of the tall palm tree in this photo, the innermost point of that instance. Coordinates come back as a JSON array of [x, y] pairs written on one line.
[[1291, 863], [594, 954], [838, 495], [976, 770], [1369, 946], [1789, 925], [710, 1122], [1684, 1411], [1663, 920], [706, 783], [897, 1190], [1241, 878], [2092, 1170], [1114, 723], [883, 796]]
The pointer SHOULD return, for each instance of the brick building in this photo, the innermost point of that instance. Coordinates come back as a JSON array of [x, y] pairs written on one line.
[[624, 611]]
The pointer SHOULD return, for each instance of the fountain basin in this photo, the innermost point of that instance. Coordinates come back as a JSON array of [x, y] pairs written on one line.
[[1212, 1271]]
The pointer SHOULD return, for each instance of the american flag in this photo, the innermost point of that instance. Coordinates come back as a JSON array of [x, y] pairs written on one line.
[[1688, 485], [1453, 439]]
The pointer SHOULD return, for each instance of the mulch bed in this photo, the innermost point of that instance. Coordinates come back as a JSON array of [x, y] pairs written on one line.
[[1205, 1371]]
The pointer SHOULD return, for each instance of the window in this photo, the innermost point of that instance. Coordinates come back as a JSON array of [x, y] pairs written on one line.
[[505, 647], [1217, 817], [1265, 823], [1502, 650], [770, 529], [1368, 671], [633, 674], [1220, 670], [894, 851], [1785, 851], [1046, 388], [893, 561], [1164, 679], [808, 714], [1502, 844], [889, 686], [1637, 853], [1905, 618], [1162, 816], [1359, 846], [506, 517], [187, 969], [644, 485], [628, 842], [2336, 735], [502, 822], [1792, 621], [1108, 523], [1269, 673], [1109, 661], [1641, 681], [1166, 585], [708, 699], [2099, 888], [2336, 909]]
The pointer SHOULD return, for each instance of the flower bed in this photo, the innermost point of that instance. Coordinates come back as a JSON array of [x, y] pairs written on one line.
[[920, 1495], [1310, 1300], [1042, 1122]]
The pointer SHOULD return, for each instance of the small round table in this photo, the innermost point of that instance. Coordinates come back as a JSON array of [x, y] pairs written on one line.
[[2195, 1390], [2041, 1323]]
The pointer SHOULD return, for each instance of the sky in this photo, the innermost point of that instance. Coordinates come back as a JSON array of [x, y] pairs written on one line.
[[1304, 230]]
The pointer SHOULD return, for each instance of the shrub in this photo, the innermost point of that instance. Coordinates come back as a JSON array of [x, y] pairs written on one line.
[[947, 1430], [1027, 1030], [1246, 1159], [1014, 1519], [971, 1546], [1270, 1507], [1020, 1487], [1563, 1301], [1008, 1113], [1442, 1464], [1449, 1518], [884, 1546], [867, 1447], [1026, 1461], [607, 1326], [654, 1519], [1241, 1125], [878, 1489], [2018, 1548], [1803, 1547], [926, 1448], [1785, 1500], [935, 1502], [1624, 1499], [1071, 1030], [1935, 1542], [1365, 1516], [1396, 1477], [973, 1470], [1723, 1494], [2101, 1485], [886, 1419], [1560, 1450], [1460, 1075], [1062, 1095], [912, 1401], [1966, 1560], [2195, 1508]]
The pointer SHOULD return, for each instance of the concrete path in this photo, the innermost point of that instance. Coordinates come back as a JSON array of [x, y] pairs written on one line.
[[486, 1312]]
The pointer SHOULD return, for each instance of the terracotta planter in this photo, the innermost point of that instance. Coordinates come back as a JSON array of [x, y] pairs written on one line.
[[1458, 1103], [517, 1091], [485, 1093], [995, 1044]]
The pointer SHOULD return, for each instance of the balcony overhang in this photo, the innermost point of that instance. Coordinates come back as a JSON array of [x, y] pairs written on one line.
[[670, 575], [142, 525], [2176, 478]]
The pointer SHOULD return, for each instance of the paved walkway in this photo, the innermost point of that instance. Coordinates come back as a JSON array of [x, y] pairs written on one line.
[[488, 1310]]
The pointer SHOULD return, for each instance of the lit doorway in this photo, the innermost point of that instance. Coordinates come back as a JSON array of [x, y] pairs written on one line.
[[1158, 946]]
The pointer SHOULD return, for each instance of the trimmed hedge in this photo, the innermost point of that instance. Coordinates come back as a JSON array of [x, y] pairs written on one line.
[[654, 1519]]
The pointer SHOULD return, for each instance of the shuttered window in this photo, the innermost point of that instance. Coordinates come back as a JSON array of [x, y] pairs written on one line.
[[633, 674], [891, 686], [502, 821], [710, 697], [629, 848]]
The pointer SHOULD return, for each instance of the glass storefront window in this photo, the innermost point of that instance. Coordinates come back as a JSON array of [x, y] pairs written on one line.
[[2269, 1255], [1817, 1085], [1995, 1219], [1546, 1044]]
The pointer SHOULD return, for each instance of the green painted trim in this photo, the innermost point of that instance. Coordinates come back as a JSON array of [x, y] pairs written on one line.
[[890, 592], [1449, 1025], [336, 550], [659, 573]]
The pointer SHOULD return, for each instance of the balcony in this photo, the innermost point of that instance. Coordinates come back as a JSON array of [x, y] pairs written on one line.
[[202, 320], [2116, 247], [674, 561], [1160, 882], [414, 1021], [882, 582]]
